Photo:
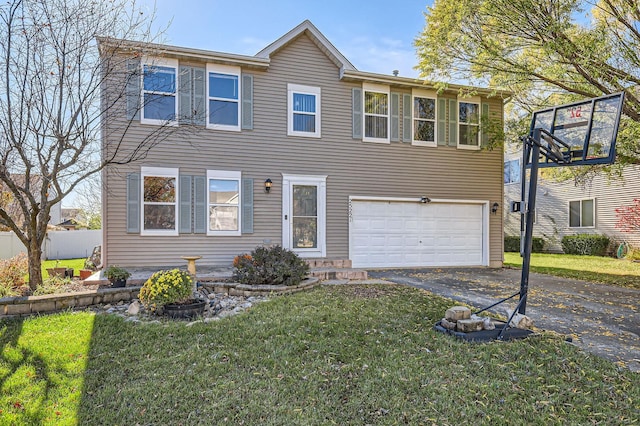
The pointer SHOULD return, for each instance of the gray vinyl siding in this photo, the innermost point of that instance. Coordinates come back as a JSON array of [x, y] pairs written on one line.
[[353, 167], [552, 202]]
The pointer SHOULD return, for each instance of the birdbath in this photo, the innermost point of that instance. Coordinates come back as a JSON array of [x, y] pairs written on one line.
[[191, 267]]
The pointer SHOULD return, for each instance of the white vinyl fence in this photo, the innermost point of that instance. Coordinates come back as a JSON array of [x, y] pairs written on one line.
[[57, 245]]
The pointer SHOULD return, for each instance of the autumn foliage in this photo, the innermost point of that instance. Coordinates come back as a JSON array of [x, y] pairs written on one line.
[[629, 217]]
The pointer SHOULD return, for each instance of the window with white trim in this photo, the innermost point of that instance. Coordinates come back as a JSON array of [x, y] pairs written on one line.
[[376, 113], [303, 106], [159, 210], [469, 123], [582, 213], [223, 97], [424, 118], [223, 201], [159, 91], [511, 171]]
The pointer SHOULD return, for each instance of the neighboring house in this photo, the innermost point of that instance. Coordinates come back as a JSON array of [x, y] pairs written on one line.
[[564, 208], [379, 169]]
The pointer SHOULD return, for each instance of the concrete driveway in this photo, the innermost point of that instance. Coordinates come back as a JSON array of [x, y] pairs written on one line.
[[601, 319]]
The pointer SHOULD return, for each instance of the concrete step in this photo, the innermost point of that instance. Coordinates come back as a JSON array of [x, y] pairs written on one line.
[[339, 273], [329, 263]]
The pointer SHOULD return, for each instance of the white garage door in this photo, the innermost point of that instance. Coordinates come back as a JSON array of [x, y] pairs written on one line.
[[389, 234]]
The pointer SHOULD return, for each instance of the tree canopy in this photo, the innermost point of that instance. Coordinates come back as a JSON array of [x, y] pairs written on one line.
[[52, 71], [544, 51]]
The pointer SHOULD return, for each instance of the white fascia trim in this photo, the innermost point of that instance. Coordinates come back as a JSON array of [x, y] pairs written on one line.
[[377, 88], [431, 94], [307, 90], [415, 199], [231, 70], [160, 62], [225, 175], [160, 172]]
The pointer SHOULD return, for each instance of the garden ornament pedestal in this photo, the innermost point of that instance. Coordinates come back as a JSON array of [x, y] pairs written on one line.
[[191, 268]]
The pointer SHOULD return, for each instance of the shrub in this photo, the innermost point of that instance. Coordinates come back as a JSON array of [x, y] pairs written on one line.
[[114, 273], [512, 244], [52, 285], [270, 265], [165, 287], [585, 244], [12, 273]]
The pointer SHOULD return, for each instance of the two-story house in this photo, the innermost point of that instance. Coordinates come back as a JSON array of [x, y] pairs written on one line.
[[295, 146]]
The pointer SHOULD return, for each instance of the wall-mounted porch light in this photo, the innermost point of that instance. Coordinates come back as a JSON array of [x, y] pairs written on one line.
[[494, 208], [267, 185]]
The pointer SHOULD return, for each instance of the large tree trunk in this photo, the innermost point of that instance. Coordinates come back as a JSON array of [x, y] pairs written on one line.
[[34, 251]]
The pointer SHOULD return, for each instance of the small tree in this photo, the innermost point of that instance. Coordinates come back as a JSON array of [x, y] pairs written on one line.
[[629, 217], [52, 70]]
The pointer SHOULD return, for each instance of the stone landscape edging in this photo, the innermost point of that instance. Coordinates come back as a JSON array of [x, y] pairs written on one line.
[[30, 305]]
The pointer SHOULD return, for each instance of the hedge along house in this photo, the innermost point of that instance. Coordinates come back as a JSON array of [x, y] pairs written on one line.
[[383, 170]]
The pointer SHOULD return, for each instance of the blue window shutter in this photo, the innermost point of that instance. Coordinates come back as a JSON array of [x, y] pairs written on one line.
[[133, 90], [184, 97], [247, 206], [356, 95], [200, 204], [442, 121], [406, 118], [395, 117], [185, 205], [453, 122], [133, 203], [484, 141], [247, 101], [199, 96]]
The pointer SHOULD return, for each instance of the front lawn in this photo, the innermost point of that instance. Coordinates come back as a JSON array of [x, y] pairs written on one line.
[[606, 270], [334, 355], [75, 264]]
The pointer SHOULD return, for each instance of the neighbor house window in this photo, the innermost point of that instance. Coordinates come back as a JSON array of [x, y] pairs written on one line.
[[469, 124], [159, 100], [376, 113], [512, 171], [424, 118], [582, 213], [159, 201], [223, 97], [303, 110], [223, 198]]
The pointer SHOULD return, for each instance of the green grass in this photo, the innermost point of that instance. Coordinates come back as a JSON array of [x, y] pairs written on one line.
[[335, 355], [76, 264], [605, 270]]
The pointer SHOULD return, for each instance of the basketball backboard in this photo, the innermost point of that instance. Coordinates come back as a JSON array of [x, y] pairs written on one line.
[[580, 133]]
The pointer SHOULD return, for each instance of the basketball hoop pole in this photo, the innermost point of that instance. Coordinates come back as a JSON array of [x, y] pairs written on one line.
[[531, 147]]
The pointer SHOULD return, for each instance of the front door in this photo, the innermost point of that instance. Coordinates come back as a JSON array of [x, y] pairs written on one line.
[[304, 209]]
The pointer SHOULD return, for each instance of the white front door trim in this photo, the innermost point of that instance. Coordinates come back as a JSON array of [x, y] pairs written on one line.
[[288, 181], [485, 216]]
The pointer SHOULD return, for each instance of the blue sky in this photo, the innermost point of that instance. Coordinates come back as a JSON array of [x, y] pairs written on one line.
[[376, 36]]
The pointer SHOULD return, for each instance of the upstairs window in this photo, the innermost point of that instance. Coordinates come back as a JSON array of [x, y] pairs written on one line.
[[159, 103], [303, 110], [424, 118], [159, 201], [376, 113], [223, 94], [512, 171], [224, 202], [469, 124], [582, 213]]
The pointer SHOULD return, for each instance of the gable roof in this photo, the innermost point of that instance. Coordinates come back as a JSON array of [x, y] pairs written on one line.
[[317, 37]]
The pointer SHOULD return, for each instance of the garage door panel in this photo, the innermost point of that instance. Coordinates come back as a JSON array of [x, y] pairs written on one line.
[[396, 234]]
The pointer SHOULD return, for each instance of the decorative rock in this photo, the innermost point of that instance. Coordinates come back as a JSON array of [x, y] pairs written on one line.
[[457, 313], [448, 324], [134, 308], [470, 325]]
